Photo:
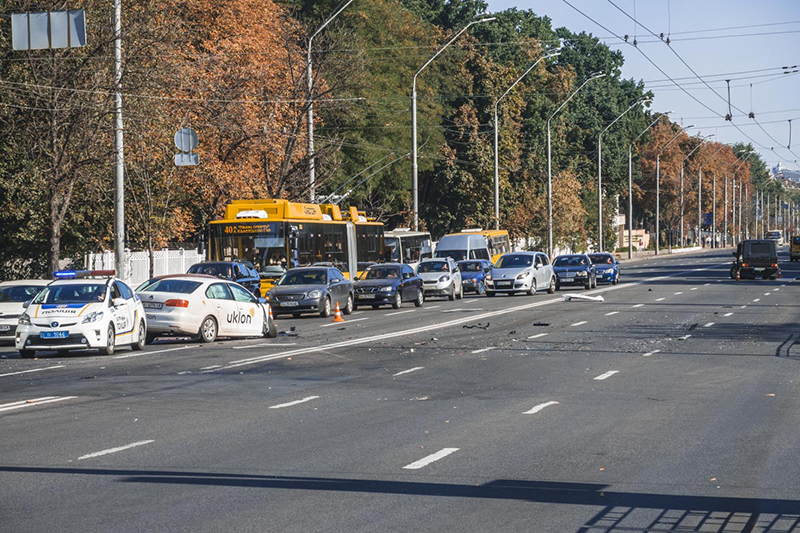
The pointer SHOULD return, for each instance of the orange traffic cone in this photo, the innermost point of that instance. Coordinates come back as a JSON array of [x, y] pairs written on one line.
[[270, 314], [337, 316], [738, 275]]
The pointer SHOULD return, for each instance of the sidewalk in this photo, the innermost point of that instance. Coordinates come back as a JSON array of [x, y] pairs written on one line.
[[664, 252]]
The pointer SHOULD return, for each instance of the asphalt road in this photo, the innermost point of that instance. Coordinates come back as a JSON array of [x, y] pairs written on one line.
[[671, 406]]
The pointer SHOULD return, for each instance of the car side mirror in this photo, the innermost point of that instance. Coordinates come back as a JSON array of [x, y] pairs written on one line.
[[406, 275], [335, 280], [116, 302], [26, 303], [262, 300]]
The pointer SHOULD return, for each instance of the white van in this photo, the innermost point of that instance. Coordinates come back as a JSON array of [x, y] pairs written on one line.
[[463, 246]]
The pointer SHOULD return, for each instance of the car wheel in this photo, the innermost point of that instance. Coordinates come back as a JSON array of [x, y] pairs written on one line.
[[452, 295], [355, 307], [208, 330], [420, 299], [552, 288], [588, 284], [376, 306], [460, 294], [733, 272], [490, 294], [348, 307], [27, 354], [326, 308], [142, 340], [398, 300], [111, 342], [594, 283], [532, 290], [558, 286], [270, 330]]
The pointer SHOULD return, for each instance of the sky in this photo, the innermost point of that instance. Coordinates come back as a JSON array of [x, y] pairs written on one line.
[[695, 28]]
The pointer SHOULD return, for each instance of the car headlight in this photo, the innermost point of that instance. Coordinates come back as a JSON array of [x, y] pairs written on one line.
[[314, 294], [387, 289], [24, 319], [582, 274], [524, 274], [92, 317], [488, 277], [444, 278]]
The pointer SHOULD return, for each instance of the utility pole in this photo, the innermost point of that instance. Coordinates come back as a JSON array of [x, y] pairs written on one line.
[[658, 185], [714, 211], [725, 211], [119, 150]]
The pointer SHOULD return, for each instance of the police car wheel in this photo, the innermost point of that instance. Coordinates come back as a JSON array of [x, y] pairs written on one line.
[[142, 339], [27, 354], [208, 330], [111, 342]]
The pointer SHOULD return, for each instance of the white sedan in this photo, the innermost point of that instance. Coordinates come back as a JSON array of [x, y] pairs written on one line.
[[13, 295], [203, 307]]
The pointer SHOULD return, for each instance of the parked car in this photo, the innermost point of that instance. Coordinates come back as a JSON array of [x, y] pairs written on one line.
[[756, 257], [389, 284], [311, 290], [441, 277], [204, 308], [240, 271], [606, 267], [575, 269], [521, 272], [794, 248], [473, 275], [13, 295]]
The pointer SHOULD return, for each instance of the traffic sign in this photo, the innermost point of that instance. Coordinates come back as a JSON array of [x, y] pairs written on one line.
[[186, 160], [186, 139]]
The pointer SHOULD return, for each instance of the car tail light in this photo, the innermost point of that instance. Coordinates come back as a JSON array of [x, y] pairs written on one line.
[[176, 303], [745, 265], [775, 265]]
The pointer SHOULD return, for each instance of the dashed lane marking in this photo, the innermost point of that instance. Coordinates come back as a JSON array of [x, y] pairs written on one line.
[[484, 349], [648, 354], [409, 371], [211, 367], [263, 344], [660, 299], [32, 370], [767, 293], [425, 461], [612, 313], [432, 307], [607, 375], [467, 302], [399, 312], [679, 292], [757, 300], [708, 325], [34, 402], [343, 323], [539, 408], [693, 289], [727, 314], [296, 402], [743, 307], [538, 336], [684, 337], [582, 322], [638, 305], [114, 450]]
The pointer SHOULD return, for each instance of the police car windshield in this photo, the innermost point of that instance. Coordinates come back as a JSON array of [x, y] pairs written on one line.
[[79, 293], [304, 277], [18, 293]]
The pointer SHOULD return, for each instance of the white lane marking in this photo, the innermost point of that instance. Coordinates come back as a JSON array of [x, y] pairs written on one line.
[[537, 336], [399, 312], [607, 375], [742, 307], [693, 289], [727, 314], [296, 402], [343, 323], [432, 307], [467, 302], [684, 337], [767, 293], [138, 354], [539, 408], [679, 292], [776, 289], [211, 367], [32, 370], [357, 312], [443, 325], [264, 344], [582, 322], [648, 354], [36, 401], [409, 371], [425, 461], [660, 299], [706, 284], [757, 300], [638, 305], [708, 325], [114, 450], [612, 313], [484, 349]]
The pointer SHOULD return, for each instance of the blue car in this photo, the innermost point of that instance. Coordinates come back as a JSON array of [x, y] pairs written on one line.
[[606, 267], [473, 275], [574, 270]]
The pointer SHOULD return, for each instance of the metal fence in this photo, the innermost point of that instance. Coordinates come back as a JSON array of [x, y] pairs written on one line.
[[137, 264]]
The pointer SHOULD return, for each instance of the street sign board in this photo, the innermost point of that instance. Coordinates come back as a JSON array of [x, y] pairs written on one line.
[[186, 139], [48, 30], [186, 160]]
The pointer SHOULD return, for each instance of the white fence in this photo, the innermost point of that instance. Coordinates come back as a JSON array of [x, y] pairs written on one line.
[[137, 264]]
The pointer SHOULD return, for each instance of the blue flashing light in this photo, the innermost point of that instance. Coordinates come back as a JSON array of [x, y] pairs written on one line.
[[65, 274], [79, 274]]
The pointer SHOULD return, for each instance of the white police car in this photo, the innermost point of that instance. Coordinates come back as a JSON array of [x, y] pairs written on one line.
[[79, 310]]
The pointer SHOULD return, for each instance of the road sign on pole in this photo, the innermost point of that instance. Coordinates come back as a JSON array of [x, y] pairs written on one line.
[[186, 141], [48, 30]]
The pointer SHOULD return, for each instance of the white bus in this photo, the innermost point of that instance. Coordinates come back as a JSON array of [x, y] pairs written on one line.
[[405, 246]]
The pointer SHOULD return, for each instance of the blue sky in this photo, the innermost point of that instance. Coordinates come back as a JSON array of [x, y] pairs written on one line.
[[775, 98]]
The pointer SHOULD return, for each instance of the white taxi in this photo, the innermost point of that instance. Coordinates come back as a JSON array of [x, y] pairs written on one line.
[[80, 310], [203, 307], [13, 295]]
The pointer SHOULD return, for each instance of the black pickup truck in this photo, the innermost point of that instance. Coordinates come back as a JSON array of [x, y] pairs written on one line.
[[754, 258]]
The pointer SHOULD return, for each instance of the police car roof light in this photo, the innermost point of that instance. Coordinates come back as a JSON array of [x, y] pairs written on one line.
[[79, 274]]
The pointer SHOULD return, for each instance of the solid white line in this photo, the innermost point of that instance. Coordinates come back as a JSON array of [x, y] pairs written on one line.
[[343, 323], [606, 375], [263, 344], [612, 313], [289, 404], [484, 349], [32, 370], [114, 450], [409, 371], [537, 336], [660, 299], [399, 312], [416, 465], [539, 408], [638, 305], [708, 325], [137, 354], [20, 402], [679, 292], [38, 401], [211, 367], [727, 314], [648, 354], [582, 322]]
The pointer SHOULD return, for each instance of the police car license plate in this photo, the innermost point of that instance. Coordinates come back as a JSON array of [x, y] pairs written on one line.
[[54, 335], [366, 296], [289, 304], [152, 305], [5, 327]]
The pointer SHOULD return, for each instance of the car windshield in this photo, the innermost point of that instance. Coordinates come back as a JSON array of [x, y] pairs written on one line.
[[78, 293], [471, 266], [601, 259], [570, 260], [382, 273], [774, 235], [181, 286], [515, 261], [458, 255], [303, 277], [18, 293], [433, 266], [219, 270]]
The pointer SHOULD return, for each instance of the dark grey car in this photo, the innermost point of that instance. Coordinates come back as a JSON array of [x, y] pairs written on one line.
[[311, 290]]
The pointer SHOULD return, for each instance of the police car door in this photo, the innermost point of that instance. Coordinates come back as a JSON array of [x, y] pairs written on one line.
[[122, 310], [250, 319]]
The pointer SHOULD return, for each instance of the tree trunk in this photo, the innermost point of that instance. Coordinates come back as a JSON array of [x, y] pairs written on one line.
[[151, 255], [55, 237]]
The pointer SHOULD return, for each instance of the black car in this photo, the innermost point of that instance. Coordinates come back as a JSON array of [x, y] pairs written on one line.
[[389, 284], [575, 269], [242, 272], [756, 257], [311, 290]]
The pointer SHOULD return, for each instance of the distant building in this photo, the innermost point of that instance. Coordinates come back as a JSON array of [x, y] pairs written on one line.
[[789, 177]]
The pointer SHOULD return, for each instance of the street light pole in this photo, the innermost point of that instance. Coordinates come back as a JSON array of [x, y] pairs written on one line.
[[747, 154], [658, 185], [414, 168], [600, 172], [704, 139], [497, 139], [550, 167], [119, 150], [312, 179], [700, 196]]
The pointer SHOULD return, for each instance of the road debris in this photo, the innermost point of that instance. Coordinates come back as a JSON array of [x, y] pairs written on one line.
[[582, 297]]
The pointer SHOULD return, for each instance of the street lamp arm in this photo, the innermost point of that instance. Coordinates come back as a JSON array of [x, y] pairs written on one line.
[[637, 102], [325, 24], [554, 54], [696, 148], [574, 93], [660, 116], [675, 137]]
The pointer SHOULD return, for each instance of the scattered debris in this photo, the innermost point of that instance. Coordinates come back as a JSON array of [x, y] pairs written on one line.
[[287, 334], [582, 297], [478, 325], [546, 324], [512, 332], [693, 326]]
